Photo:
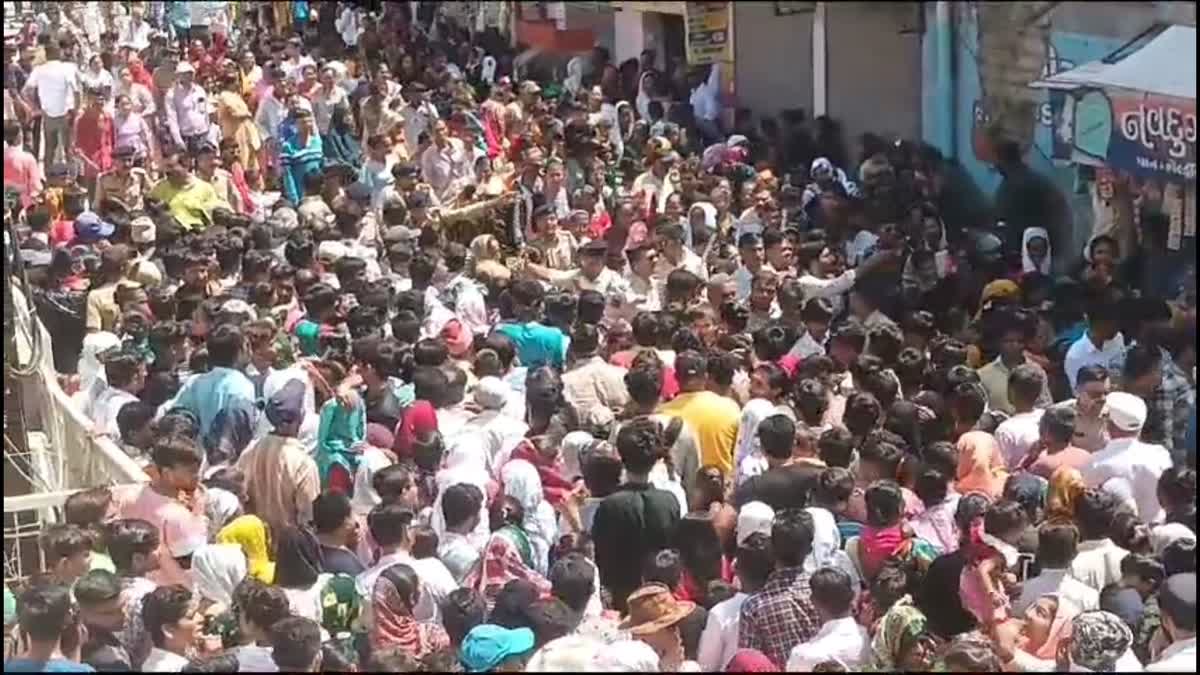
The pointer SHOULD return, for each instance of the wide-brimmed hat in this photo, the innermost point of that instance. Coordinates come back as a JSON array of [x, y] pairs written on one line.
[[653, 608]]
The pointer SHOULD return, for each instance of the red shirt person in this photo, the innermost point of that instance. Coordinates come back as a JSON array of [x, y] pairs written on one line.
[[94, 137]]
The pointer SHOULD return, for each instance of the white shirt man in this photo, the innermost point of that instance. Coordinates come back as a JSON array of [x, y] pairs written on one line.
[[56, 84], [417, 119], [1127, 467], [839, 639], [704, 98], [719, 641], [1084, 352], [1017, 434]]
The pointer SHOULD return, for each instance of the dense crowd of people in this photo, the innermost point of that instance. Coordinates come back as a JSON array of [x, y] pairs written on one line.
[[437, 362]]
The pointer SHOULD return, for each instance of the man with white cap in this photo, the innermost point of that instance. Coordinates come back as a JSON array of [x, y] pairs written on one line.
[[186, 106], [1127, 467], [719, 641]]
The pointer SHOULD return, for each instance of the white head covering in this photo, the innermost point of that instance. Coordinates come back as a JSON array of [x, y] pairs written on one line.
[[643, 97], [1027, 262], [754, 518], [574, 445], [90, 369], [573, 653], [217, 569], [221, 506], [574, 80], [1164, 535], [487, 71], [628, 656], [710, 220], [521, 482], [491, 393], [1126, 411]]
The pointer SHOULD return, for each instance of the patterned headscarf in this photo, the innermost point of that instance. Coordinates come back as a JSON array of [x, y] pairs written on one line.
[[898, 631], [1098, 639]]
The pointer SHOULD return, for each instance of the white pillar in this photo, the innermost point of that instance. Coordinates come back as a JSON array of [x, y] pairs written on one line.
[[628, 35], [819, 58]]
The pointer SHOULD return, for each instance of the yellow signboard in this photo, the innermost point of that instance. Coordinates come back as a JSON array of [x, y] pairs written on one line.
[[661, 7], [708, 38]]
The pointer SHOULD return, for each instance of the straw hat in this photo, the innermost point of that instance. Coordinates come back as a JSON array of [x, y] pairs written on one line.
[[653, 608]]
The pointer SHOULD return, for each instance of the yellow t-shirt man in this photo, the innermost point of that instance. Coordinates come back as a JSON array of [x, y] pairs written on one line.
[[714, 420]]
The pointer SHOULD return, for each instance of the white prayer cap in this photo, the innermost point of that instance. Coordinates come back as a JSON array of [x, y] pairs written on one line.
[[754, 518], [491, 393], [1126, 411]]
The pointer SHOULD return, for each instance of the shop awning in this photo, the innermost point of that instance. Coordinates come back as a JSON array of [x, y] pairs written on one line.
[[1162, 61]]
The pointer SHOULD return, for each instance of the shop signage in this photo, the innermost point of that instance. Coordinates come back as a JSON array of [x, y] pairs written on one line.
[[708, 33], [1153, 136]]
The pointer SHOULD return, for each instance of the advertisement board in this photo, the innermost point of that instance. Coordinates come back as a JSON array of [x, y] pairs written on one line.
[[708, 38]]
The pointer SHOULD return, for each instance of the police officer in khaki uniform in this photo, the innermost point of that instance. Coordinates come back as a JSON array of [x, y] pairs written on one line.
[[125, 184]]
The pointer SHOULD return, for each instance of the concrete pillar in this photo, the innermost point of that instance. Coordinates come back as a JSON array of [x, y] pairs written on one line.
[[629, 34]]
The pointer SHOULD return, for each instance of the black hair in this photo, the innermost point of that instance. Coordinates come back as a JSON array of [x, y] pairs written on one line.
[[792, 536], [1025, 384], [462, 610], [601, 473], [887, 456], [176, 451], [162, 608], [638, 445], [1058, 422], [1141, 359], [664, 567], [1145, 567], [1177, 487], [699, 547], [295, 643], [96, 587], [572, 580], [863, 413], [1088, 374], [127, 537], [811, 400], [259, 604], [832, 590], [931, 486], [1005, 516], [1057, 545], [836, 447], [224, 345], [391, 481], [1094, 513], [389, 523], [551, 619], [885, 503], [1179, 557], [834, 485], [63, 540], [755, 559], [45, 610], [460, 502], [329, 511], [777, 435]]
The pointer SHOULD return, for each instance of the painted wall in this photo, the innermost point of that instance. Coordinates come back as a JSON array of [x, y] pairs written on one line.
[[876, 89], [1075, 36], [772, 58]]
